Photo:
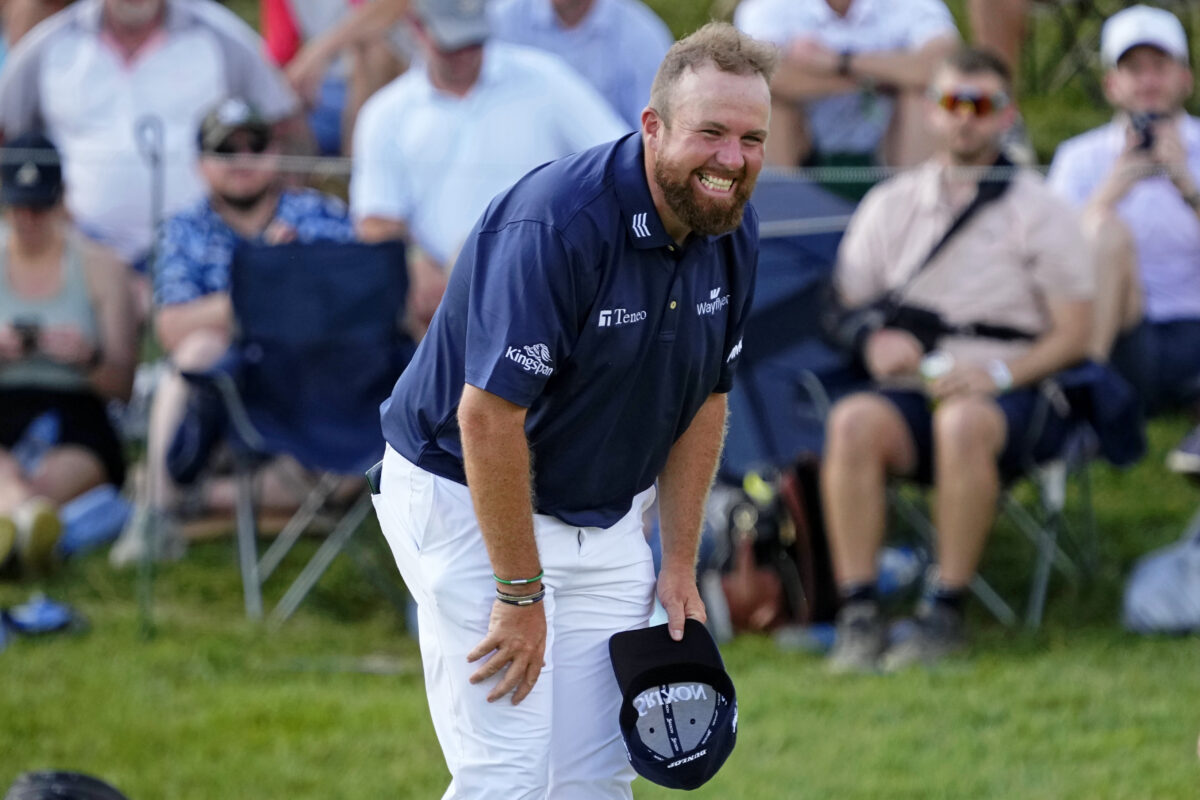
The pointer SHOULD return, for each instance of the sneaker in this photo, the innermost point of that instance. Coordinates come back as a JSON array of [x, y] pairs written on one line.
[[131, 546], [859, 639], [37, 530], [937, 633], [1185, 458]]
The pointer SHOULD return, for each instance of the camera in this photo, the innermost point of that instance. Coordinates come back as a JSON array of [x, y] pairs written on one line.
[[28, 330], [1142, 124]]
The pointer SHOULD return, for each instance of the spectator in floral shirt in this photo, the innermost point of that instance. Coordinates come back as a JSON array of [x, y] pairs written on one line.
[[246, 200]]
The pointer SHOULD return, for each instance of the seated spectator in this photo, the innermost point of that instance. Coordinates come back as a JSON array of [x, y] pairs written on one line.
[[246, 200], [103, 75], [67, 344], [1011, 291], [335, 96], [1136, 180], [847, 92], [433, 147], [616, 45]]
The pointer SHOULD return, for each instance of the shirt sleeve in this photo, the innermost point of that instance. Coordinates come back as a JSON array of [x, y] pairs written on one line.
[[758, 19], [20, 96], [927, 20], [862, 257], [1059, 259], [652, 40], [522, 315], [733, 341], [1066, 177], [378, 183], [586, 118], [248, 73], [177, 271]]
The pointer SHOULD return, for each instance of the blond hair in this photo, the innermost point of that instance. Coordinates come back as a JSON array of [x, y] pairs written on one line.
[[719, 44]]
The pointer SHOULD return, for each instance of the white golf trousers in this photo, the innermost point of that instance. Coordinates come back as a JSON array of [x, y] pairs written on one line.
[[562, 742]]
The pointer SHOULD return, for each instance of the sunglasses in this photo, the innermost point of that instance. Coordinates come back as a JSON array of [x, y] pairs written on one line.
[[250, 142], [980, 105]]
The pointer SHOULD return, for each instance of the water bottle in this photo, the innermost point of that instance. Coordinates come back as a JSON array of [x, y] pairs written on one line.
[[39, 436]]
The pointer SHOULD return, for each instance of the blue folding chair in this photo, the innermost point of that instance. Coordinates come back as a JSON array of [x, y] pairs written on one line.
[[317, 347]]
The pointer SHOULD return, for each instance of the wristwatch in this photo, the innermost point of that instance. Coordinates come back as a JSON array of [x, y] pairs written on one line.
[[1001, 374]]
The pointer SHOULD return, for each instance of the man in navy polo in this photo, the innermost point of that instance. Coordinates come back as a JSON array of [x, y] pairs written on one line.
[[587, 335]]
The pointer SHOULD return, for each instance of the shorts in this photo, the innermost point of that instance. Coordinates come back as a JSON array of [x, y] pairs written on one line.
[[1036, 431], [1161, 360], [83, 421]]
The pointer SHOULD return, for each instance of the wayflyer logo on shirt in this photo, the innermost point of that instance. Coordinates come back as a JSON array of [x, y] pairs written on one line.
[[715, 302], [534, 358]]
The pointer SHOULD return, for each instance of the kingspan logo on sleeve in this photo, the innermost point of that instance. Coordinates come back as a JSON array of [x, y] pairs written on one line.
[[715, 302], [533, 358]]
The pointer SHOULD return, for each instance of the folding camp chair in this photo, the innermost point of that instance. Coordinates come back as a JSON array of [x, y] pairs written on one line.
[[317, 347]]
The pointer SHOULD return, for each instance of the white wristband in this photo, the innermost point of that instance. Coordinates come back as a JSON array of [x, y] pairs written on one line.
[[1001, 374]]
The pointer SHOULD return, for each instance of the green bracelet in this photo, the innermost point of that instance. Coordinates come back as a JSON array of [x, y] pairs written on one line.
[[519, 581]]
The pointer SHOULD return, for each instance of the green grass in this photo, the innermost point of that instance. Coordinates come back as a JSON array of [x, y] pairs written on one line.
[[332, 705]]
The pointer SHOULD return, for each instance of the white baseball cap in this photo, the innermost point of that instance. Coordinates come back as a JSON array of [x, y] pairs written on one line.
[[1137, 25]]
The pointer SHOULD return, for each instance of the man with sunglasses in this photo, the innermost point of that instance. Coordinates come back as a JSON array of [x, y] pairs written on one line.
[[247, 199], [992, 265], [1137, 180]]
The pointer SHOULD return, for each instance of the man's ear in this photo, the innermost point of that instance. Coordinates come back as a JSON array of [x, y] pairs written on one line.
[[652, 126]]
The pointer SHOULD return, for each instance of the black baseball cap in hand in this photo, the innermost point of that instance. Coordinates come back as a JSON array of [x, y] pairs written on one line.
[[678, 706]]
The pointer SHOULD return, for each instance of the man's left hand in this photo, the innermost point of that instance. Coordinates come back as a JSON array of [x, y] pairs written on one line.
[[679, 596], [964, 379], [1170, 154]]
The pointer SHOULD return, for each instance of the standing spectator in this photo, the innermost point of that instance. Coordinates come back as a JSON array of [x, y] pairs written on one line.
[[848, 90], [67, 344], [246, 199], [1136, 180], [1013, 289], [98, 73], [335, 96], [590, 331], [433, 147], [616, 45]]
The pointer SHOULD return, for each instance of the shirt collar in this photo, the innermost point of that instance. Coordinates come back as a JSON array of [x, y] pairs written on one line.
[[859, 10], [633, 195]]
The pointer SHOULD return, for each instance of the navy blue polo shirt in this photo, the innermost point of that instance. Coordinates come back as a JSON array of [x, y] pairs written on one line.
[[570, 299]]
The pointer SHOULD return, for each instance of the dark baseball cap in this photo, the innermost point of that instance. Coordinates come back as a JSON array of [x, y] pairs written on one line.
[[678, 706], [226, 118], [30, 172], [454, 24]]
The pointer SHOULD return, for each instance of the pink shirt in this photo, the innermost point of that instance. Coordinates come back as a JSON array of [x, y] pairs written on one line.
[[1016, 254]]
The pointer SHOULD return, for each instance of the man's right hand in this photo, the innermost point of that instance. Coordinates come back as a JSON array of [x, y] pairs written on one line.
[[516, 638], [891, 352]]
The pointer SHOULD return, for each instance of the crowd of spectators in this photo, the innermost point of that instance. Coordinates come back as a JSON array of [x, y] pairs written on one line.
[[177, 124]]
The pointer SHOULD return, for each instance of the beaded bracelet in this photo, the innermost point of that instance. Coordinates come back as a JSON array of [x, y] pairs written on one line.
[[519, 581], [520, 599]]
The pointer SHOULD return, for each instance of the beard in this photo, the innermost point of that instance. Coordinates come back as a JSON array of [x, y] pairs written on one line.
[[703, 215], [247, 201]]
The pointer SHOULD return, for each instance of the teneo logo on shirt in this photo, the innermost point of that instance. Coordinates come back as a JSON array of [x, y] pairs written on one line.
[[614, 317], [715, 302], [533, 358], [675, 693]]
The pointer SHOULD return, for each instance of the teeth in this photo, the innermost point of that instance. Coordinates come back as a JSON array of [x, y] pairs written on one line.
[[719, 184]]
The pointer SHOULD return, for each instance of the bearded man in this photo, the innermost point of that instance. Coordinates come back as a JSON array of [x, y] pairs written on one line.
[[581, 354]]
